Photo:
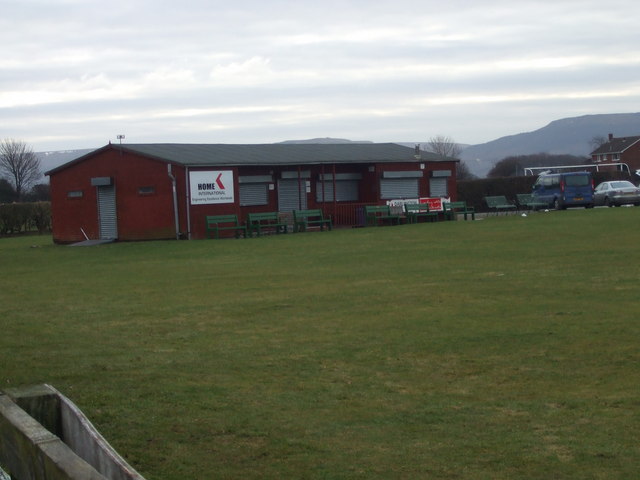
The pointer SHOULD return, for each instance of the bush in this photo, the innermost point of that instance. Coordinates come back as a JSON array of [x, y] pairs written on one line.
[[41, 216], [25, 217]]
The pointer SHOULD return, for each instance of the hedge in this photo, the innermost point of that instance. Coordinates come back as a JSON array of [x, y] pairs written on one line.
[[25, 217]]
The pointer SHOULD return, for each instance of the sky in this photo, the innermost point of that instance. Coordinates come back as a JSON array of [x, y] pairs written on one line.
[[77, 73]]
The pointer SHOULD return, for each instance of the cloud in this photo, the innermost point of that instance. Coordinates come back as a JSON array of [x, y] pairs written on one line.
[[260, 71], [251, 72]]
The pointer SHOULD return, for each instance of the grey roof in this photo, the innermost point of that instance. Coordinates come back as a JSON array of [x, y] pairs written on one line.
[[267, 154], [616, 145]]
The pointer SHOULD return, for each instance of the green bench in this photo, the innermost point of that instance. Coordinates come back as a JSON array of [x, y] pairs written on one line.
[[216, 223], [303, 219], [257, 222], [452, 209], [525, 200], [380, 213], [499, 203], [414, 211]]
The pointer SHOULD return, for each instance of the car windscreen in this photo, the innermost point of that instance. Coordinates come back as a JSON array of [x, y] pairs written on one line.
[[577, 180]]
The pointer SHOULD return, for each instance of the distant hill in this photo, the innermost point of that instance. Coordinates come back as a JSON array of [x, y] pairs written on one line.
[[566, 136], [50, 160]]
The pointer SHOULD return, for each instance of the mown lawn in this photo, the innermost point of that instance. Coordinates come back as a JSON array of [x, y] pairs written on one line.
[[497, 349]]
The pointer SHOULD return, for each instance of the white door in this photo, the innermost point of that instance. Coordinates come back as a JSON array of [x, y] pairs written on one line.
[[107, 212]]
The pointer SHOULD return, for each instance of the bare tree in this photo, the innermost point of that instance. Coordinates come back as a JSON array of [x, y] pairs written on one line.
[[19, 164], [463, 172], [597, 141], [444, 146]]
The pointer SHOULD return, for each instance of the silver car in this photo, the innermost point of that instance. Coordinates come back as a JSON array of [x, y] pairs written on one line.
[[616, 193]]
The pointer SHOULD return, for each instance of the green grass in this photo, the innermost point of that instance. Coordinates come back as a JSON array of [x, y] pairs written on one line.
[[497, 349]]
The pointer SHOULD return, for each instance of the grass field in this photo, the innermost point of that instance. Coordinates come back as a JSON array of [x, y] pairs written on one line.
[[505, 348]]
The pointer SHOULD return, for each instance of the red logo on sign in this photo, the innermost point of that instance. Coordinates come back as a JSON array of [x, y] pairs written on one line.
[[219, 182]]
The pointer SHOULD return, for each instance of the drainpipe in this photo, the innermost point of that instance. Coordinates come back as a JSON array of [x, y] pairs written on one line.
[[300, 187], [175, 201], [187, 186], [335, 201]]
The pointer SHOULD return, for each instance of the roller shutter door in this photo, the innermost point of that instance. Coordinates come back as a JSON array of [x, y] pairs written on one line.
[[391, 188], [254, 194], [107, 212], [292, 195], [438, 187]]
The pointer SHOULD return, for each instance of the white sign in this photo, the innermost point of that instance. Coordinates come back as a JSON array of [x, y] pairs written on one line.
[[211, 187]]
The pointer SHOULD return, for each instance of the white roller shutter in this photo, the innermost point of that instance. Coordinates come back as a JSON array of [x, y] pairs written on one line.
[[392, 188], [254, 194], [292, 195], [107, 212], [438, 187]]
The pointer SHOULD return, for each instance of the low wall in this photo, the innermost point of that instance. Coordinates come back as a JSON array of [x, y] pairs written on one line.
[[44, 436]]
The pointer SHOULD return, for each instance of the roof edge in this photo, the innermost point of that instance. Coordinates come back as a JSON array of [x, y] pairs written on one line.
[[135, 150]]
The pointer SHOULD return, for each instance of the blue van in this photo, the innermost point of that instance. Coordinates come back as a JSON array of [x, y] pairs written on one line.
[[562, 190]]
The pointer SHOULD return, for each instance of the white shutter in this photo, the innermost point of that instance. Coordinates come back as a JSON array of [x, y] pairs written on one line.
[[254, 194], [292, 195], [107, 212], [392, 188], [438, 187]]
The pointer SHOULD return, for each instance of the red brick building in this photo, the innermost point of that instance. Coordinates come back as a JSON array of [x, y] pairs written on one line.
[[619, 150], [162, 191]]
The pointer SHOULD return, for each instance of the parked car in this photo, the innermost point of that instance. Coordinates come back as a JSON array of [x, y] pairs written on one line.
[[562, 190], [616, 193]]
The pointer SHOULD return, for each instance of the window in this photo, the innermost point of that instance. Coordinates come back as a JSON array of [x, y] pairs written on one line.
[[347, 187], [346, 191], [577, 180], [146, 190], [75, 194]]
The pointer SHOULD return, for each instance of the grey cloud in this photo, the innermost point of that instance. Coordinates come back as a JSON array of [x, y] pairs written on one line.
[[266, 71]]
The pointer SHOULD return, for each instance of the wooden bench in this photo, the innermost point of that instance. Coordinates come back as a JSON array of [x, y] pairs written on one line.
[[376, 213], [499, 203], [414, 211], [215, 223], [452, 209], [256, 222], [525, 200], [303, 219]]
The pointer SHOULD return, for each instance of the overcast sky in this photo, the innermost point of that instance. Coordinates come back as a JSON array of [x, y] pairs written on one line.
[[76, 73]]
